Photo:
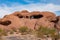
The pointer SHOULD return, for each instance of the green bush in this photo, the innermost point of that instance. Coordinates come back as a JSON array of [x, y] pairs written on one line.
[[3, 32], [45, 31], [23, 29]]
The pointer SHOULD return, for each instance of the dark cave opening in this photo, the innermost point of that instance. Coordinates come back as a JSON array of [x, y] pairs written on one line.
[[20, 16], [31, 17], [36, 16], [27, 17], [5, 23]]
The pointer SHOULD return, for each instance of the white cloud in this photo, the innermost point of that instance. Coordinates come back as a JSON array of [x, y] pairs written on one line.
[[30, 7]]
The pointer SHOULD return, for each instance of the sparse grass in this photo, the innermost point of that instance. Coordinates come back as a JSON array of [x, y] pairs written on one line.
[[23, 30], [41, 31], [11, 32], [3, 32]]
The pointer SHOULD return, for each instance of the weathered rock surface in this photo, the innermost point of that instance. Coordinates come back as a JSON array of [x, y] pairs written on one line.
[[30, 19], [58, 23]]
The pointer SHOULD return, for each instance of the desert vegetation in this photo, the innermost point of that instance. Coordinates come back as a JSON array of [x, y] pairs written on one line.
[[45, 32], [41, 32], [25, 30], [3, 32]]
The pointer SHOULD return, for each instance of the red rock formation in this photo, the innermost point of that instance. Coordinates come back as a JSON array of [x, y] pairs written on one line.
[[30, 19], [49, 15], [57, 23]]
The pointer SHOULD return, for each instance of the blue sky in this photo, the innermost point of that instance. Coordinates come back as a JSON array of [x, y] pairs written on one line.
[[10, 6], [29, 1]]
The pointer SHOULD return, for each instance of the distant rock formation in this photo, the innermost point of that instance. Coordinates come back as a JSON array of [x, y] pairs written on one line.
[[30, 19]]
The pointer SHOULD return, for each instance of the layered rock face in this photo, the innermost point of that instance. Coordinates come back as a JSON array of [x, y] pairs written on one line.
[[32, 20]]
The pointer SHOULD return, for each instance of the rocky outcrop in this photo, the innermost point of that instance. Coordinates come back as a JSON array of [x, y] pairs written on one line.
[[57, 22], [30, 19]]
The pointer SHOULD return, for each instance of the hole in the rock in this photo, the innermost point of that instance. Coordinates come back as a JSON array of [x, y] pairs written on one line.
[[6, 23], [20, 16], [36, 16], [27, 17]]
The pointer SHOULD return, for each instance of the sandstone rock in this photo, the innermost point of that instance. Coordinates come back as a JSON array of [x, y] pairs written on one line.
[[58, 23], [45, 23], [49, 15], [30, 19], [15, 22], [21, 14], [36, 15]]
